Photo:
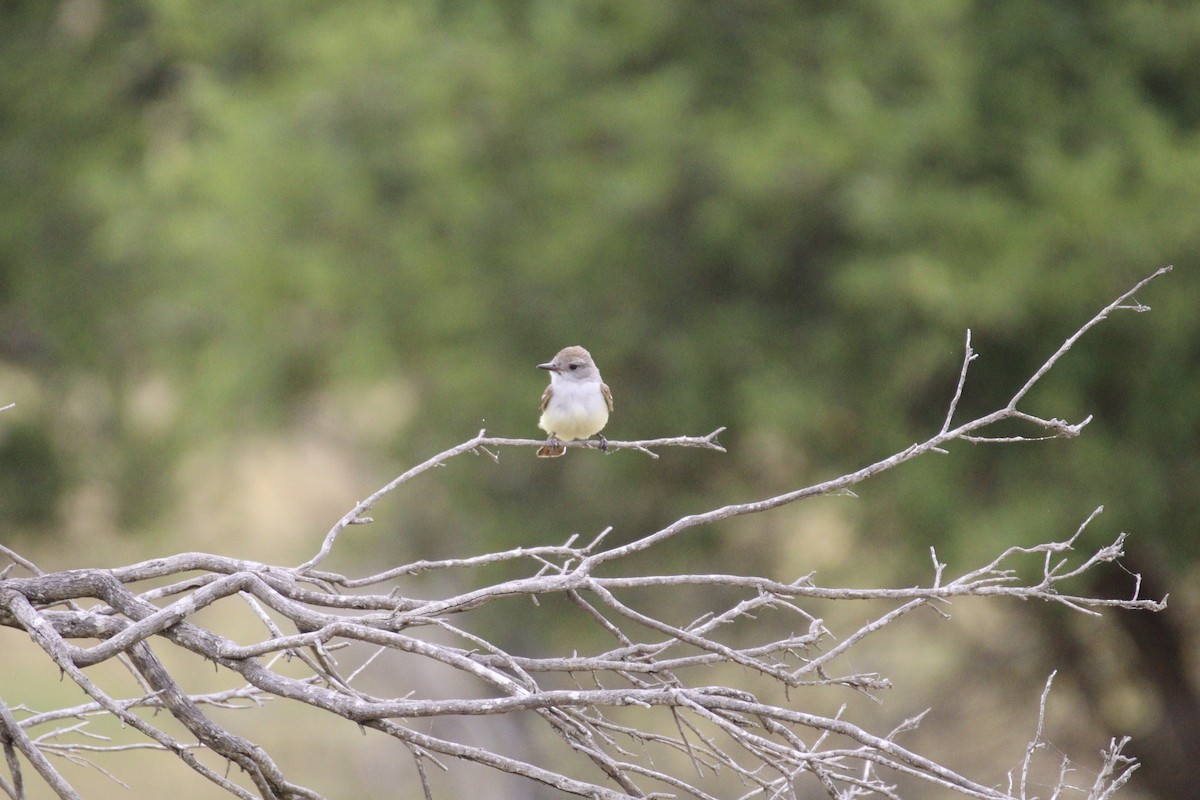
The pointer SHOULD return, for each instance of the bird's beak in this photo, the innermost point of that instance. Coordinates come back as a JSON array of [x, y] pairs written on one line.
[[548, 365]]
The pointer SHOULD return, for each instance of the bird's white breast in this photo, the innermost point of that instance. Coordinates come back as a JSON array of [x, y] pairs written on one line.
[[576, 410]]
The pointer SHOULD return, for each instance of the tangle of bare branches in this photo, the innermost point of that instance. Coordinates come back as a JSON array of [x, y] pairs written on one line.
[[658, 712]]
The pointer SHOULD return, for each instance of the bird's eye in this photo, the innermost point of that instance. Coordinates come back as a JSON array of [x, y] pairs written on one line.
[[573, 367]]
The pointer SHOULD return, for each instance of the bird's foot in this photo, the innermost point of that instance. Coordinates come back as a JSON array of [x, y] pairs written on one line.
[[553, 448]]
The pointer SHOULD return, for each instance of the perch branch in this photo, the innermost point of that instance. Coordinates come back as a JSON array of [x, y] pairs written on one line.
[[595, 703]]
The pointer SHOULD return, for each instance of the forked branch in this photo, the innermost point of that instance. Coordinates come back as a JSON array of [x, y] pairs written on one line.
[[602, 703]]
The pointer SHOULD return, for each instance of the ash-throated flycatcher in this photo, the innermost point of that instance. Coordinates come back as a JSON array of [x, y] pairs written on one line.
[[577, 402]]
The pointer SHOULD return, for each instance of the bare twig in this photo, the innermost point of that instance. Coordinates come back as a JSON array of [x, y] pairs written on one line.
[[596, 703], [12, 735], [482, 440]]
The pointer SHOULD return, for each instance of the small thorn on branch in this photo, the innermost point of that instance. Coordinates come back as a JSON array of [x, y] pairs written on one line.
[[1066, 429]]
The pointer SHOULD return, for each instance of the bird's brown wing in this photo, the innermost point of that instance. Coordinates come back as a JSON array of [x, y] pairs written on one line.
[[603, 390], [546, 395]]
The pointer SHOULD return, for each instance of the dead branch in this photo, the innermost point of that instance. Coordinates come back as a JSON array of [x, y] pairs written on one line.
[[595, 702]]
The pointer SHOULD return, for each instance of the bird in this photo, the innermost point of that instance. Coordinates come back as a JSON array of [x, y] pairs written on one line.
[[577, 402]]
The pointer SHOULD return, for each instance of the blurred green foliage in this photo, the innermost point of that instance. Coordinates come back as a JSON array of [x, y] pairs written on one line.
[[777, 217]]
